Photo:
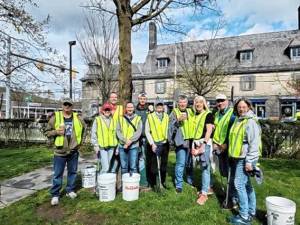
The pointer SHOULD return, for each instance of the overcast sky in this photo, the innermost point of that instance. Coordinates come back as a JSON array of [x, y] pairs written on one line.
[[241, 17]]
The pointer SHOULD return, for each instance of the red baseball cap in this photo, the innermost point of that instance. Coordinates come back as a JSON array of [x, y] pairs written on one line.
[[106, 106]]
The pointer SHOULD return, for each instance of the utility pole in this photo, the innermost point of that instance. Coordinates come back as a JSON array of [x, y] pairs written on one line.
[[175, 77], [71, 43], [7, 83]]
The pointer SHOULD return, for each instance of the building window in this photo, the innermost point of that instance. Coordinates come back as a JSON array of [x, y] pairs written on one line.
[[295, 53], [246, 56], [260, 109], [163, 62], [201, 59], [160, 87], [247, 83]]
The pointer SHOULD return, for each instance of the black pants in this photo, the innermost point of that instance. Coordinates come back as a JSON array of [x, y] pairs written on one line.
[[153, 170]]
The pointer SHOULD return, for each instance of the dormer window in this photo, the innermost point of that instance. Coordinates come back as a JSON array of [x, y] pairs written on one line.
[[295, 53], [201, 59], [246, 56], [163, 62]]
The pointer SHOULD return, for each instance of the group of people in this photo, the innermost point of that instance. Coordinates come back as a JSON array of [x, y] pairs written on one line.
[[135, 136]]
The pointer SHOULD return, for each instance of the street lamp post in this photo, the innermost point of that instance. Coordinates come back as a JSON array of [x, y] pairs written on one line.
[[71, 43]]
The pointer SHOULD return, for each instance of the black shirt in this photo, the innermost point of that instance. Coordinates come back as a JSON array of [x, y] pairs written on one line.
[[68, 127], [208, 120]]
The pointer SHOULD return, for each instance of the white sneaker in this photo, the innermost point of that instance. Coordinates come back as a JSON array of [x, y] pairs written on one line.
[[54, 201], [72, 195]]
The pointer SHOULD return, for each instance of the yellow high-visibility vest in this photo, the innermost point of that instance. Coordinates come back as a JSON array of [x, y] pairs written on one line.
[[221, 126], [118, 113], [187, 127], [158, 128], [77, 126], [236, 138], [126, 128], [106, 135], [199, 122]]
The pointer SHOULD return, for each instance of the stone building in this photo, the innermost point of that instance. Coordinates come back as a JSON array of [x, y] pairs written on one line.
[[258, 66]]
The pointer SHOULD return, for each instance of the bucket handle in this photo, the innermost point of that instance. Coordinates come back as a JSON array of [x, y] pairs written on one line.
[[272, 216]]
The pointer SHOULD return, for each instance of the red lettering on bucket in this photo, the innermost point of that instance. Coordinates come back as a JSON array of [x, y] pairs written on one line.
[[131, 187]]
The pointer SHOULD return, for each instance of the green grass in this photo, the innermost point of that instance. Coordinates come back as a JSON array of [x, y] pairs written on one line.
[[282, 178], [16, 161]]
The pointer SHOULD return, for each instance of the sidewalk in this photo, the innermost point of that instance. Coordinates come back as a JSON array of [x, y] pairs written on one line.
[[20, 187]]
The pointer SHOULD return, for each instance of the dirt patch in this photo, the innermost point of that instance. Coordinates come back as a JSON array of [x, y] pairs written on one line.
[[51, 213], [88, 219]]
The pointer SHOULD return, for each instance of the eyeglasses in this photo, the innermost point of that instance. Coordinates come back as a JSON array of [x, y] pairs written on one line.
[[220, 100], [67, 104]]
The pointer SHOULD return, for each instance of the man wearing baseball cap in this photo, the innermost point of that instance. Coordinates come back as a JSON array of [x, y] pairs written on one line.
[[223, 121], [67, 129]]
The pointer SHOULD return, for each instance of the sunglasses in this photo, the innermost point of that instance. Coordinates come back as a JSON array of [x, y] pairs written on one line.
[[220, 100], [67, 104]]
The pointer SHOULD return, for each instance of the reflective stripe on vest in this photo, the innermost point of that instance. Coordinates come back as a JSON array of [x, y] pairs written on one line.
[[187, 127], [106, 135], [236, 138], [126, 128], [77, 127], [199, 122], [221, 126], [158, 128]]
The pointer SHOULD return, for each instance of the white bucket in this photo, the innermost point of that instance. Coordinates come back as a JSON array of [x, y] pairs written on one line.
[[280, 211], [107, 187], [131, 186], [88, 176]]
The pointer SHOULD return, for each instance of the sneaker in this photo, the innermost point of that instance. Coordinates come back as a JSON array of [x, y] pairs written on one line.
[[54, 201], [238, 220], [251, 217], [202, 199], [71, 195], [210, 191], [178, 190]]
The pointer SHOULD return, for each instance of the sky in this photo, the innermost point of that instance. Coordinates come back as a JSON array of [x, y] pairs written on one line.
[[239, 17]]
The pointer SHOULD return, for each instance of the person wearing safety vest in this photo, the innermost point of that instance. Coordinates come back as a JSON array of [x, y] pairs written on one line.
[[67, 129], [224, 118], [103, 137], [244, 149], [202, 144], [117, 112], [143, 162], [180, 134], [129, 130], [156, 130]]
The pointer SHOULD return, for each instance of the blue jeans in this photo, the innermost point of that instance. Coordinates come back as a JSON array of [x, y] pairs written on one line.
[[105, 159], [183, 159], [245, 192], [59, 163], [128, 159], [206, 176]]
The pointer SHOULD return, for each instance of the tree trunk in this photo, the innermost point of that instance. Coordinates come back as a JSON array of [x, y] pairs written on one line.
[[125, 57]]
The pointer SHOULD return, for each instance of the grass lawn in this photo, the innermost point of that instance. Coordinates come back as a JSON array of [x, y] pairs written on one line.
[[282, 178], [16, 161]]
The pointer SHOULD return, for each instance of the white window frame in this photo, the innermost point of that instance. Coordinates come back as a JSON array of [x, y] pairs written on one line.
[[163, 62], [247, 83], [160, 87], [246, 56], [295, 53]]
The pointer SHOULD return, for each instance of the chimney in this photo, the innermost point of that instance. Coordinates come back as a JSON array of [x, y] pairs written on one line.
[[152, 36], [299, 18]]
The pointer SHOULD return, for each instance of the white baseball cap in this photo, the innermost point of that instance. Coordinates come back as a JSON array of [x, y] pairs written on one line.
[[221, 96]]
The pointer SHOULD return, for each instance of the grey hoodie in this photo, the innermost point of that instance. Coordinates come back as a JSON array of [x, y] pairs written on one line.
[[252, 138]]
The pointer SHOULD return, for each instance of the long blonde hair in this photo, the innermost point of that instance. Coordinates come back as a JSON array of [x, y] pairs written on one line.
[[203, 100]]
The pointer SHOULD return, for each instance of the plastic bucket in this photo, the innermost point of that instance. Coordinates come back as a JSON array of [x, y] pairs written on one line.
[[280, 211], [107, 187], [88, 176], [131, 186]]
